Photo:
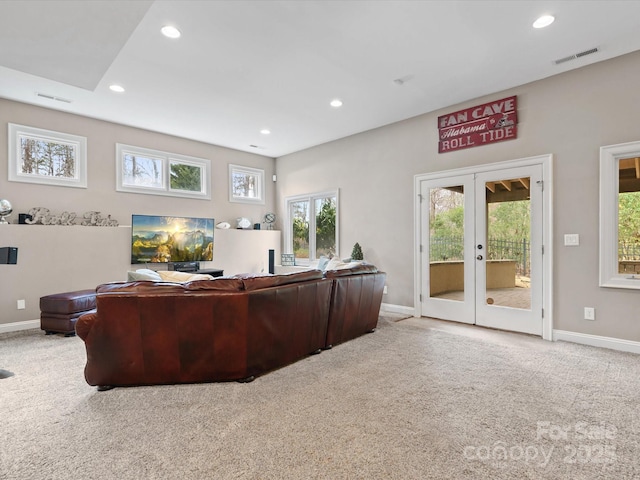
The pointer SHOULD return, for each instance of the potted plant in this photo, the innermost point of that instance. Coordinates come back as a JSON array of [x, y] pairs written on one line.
[[356, 253]]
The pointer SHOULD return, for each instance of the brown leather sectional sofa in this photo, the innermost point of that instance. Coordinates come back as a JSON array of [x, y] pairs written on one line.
[[232, 328]]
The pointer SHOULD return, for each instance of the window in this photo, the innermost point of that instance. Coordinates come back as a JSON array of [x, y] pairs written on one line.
[[620, 216], [246, 185], [43, 156], [142, 170], [312, 226]]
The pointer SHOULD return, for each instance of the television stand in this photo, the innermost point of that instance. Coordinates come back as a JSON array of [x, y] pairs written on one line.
[[214, 272], [194, 267], [186, 267]]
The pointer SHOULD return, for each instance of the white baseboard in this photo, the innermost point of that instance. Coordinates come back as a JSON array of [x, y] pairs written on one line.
[[391, 308], [597, 341], [16, 326]]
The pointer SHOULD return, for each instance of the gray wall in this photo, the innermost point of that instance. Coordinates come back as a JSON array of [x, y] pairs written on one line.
[[55, 259], [569, 115]]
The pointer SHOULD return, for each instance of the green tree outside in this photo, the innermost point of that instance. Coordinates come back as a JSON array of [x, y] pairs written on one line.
[[325, 227], [185, 177], [628, 225], [510, 220]]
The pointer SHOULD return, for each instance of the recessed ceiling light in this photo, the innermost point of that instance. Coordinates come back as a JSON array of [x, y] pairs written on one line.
[[337, 103], [265, 131], [170, 31], [543, 21], [116, 88]]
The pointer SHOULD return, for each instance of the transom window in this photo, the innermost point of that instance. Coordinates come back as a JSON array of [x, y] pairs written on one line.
[[246, 184], [143, 170], [47, 157]]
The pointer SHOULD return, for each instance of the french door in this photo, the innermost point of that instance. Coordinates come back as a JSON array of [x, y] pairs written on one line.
[[481, 248]]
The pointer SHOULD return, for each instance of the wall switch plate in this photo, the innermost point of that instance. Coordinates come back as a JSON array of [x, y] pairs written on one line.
[[589, 313], [21, 305], [571, 240], [384, 290]]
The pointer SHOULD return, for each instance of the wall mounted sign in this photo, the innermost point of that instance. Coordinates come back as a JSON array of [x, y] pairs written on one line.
[[488, 123]]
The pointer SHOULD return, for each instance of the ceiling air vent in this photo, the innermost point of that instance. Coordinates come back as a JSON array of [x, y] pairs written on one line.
[[52, 97], [576, 55]]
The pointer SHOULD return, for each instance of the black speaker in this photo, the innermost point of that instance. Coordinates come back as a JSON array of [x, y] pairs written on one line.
[[272, 257], [23, 217], [9, 255]]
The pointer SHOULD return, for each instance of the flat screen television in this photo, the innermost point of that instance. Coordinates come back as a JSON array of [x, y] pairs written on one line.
[[159, 239]]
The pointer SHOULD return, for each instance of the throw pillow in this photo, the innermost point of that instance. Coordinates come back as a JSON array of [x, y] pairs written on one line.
[[344, 266], [333, 263], [143, 274], [182, 277], [322, 263]]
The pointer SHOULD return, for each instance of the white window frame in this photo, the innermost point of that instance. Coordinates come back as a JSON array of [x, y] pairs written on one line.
[[609, 190], [79, 145], [259, 189], [312, 222], [166, 160]]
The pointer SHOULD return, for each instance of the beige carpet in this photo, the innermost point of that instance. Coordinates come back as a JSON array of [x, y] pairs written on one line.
[[417, 399]]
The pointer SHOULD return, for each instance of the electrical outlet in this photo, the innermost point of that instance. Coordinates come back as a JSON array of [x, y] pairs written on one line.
[[589, 313], [384, 290], [21, 305], [571, 240]]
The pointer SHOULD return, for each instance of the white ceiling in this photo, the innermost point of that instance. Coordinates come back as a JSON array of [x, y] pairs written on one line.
[[242, 66]]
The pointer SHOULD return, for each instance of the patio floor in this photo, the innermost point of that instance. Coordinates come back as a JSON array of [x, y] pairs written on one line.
[[517, 297]]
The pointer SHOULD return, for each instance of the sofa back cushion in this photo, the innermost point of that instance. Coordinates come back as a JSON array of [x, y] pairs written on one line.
[[142, 286], [226, 284], [354, 268], [220, 283], [257, 281]]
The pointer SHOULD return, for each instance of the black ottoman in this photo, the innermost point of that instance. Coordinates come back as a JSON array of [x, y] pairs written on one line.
[[59, 312]]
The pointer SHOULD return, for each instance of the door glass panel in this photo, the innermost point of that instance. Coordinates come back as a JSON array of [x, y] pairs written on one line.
[[300, 228], [325, 209], [629, 216], [446, 243], [508, 239]]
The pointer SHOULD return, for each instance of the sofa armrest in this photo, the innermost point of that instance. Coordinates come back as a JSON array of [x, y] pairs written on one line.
[[85, 323]]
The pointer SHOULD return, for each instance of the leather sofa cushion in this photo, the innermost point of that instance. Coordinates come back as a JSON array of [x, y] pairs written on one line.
[[220, 283], [140, 286], [354, 270], [257, 281]]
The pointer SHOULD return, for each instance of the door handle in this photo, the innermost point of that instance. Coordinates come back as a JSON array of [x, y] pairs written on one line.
[[479, 257]]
